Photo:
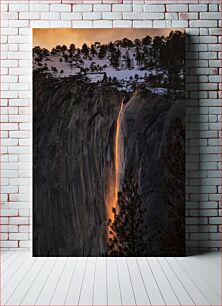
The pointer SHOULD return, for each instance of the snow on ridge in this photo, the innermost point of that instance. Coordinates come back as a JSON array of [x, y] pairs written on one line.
[[123, 66]]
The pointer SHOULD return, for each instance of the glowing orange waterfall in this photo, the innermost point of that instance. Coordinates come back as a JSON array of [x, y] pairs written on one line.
[[113, 180]]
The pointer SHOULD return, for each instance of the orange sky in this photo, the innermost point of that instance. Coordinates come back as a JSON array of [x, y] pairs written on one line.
[[49, 38]]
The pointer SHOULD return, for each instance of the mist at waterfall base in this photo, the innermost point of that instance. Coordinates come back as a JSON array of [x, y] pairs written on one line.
[[93, 127]]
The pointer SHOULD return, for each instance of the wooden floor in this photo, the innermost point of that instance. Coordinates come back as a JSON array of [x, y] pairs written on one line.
[[191, 280]]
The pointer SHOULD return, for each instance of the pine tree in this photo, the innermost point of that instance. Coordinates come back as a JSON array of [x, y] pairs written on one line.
[[146, 40], [128, 61], [127, 231], [137, 42], [72, 48], [105, 78], [102, 52], [139, 57], [63, 48], [58, 49], [93, 50], [114, 60], [85, 49]]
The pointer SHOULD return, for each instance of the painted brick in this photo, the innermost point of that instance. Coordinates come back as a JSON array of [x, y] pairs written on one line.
[[71, 16], [177, 8], [18, 220], [51, 15], [60, 8], [187, 16], [39, 24], [4, 7], [102, 7], [82, 24], [8, 244], [9, 126], [24, 244], [18, 23], [135, 15], [82, 8], [171, 16], [122, 23], [112, 15], [215, 220], [122, 7], [24, 229], [203, 23], [102, 24], [92, 15], [60, 24], [29, 15], [213, 7], [154, 8], [198, 7], [18, 7], [36, 7], [8, 228], [137, 7], [210, 15], [18, 236], [9, 212], [180, 23]]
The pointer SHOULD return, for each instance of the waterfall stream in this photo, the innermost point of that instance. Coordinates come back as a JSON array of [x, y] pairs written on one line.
[[113, 177]]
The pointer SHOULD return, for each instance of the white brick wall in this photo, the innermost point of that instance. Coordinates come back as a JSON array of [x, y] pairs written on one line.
[[203, 112]]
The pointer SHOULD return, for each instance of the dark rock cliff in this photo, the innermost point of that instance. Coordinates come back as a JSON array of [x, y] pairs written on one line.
[[153, 147], [74, 127]]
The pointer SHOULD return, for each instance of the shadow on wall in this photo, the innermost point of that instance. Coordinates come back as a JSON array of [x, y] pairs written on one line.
[[193, 142]]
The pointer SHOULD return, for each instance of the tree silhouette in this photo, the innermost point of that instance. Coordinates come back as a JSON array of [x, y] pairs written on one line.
[[172, 191], [114, 58], [127, 231], [72, 48], [128, 61], [93, 50], [102, 52], [85, 49], [146, 40]]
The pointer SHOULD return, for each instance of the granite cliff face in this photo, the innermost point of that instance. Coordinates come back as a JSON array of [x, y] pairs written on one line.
[[74, 125], [152, 146], [74, 128]]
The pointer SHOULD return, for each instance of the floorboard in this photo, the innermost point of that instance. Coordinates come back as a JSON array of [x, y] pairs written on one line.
[[127, 292], [153, 290], [5, 255], [205, 271], [100, 283], [141, 295], [179, 289], [13, 269], [61, 290], [168, 292], [113, 284], [18, 278], [23, 287], [208, 292], [36, 287], [86, 294], [49, 287], [74, 290], [110, 281], [189, 284]]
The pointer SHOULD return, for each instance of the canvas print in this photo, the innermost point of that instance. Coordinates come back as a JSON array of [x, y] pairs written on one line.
[[108, 142]]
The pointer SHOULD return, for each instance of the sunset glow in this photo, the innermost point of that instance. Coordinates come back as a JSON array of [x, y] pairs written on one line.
[[49, 38], [112, 198]]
